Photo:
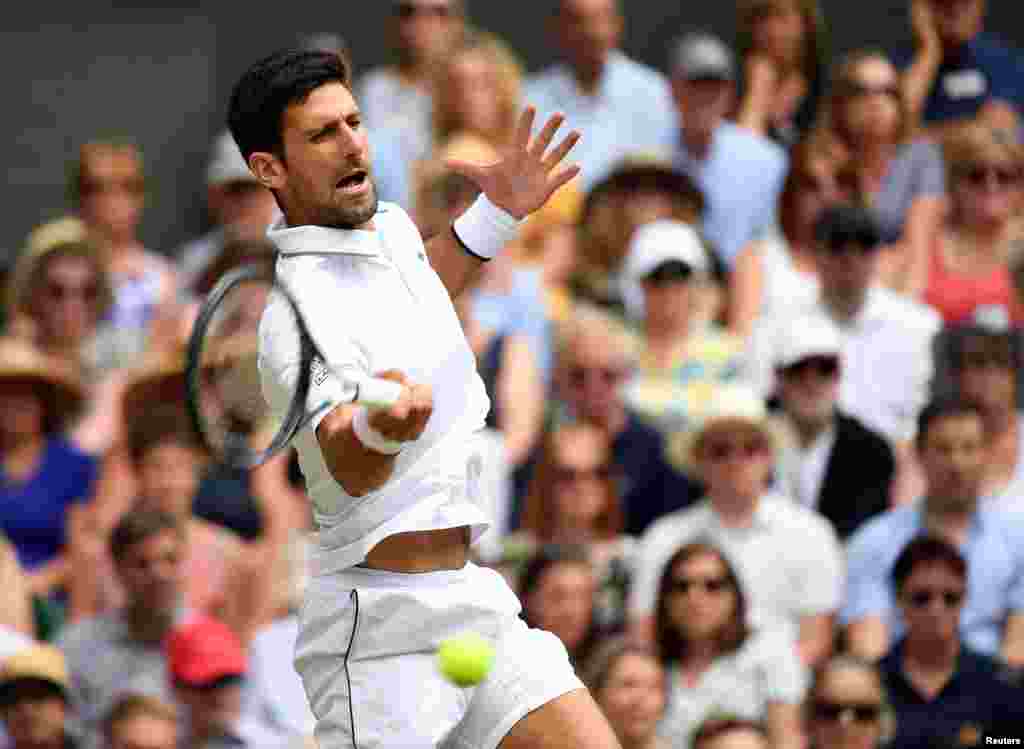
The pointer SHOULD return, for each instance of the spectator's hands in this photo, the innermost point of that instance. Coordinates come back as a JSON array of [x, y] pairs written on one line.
[[922, 22], [525, 176]]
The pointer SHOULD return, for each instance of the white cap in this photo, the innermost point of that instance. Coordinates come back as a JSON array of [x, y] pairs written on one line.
[[805, 337], [227, 163], [703, 55], [661, 241]]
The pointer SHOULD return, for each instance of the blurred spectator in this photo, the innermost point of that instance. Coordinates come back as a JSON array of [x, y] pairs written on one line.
[[400, 95], [781, 46], [886, 338], [207, 666], [596, 358], [557, 588], [731, 733], [141, 722], [624, 107], [968, 275], [34, 705], [951, 445], [681, 360], [847, 707], [780, 272], [719, 155], [238, 205], [864, 118], [48, 479], [121, 651], [628, 683], [15, 601], [828, 461], [940, 689], [956, 69], [787, 557], [108, 190], [716, 662], [574, 499], [985, 366]]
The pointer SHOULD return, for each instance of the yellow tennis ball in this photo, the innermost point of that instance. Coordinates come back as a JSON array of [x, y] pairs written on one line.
[[465, 659]]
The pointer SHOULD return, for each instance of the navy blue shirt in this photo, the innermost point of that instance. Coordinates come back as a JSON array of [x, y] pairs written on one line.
[[33, 513], [985, 69], [977, 701]]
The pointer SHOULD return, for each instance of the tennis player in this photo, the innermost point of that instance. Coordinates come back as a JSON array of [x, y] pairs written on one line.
[[394, 492]]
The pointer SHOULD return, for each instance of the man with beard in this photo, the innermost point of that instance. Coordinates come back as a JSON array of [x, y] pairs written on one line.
[[951, 448], [395, 492]]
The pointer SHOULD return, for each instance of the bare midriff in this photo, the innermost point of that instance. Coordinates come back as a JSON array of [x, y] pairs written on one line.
[[421, 551]]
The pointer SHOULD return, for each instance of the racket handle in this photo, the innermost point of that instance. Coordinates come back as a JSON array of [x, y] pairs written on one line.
[[374, 392]]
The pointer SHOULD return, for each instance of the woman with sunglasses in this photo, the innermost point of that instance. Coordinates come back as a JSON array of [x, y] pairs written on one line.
[[846, 707], [574, 497], [864, 118], [942, 692], [968, 275], [716, 663]]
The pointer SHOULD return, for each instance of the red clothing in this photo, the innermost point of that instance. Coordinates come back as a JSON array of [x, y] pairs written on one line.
[[963, 299]]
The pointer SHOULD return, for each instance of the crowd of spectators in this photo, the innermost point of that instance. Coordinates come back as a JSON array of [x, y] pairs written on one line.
[[755, 452]]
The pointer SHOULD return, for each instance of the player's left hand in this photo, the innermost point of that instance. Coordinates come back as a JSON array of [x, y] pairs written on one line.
[[525, 176]]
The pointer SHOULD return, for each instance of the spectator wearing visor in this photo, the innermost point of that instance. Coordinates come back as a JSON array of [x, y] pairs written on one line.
[[34, 699]]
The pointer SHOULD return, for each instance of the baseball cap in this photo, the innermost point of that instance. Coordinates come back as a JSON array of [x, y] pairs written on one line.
[[39, 663], [806, 337], [227, 163], [203, 651], [702, 55], [661, 242]]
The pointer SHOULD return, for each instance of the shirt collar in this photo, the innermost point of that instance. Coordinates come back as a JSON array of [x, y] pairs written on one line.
[[319, 240], [608, 80], [760, 520]]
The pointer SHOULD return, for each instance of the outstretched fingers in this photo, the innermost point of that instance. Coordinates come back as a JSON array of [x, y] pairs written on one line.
[[563, 176], [554, 158], [546, 135], [525, 128]]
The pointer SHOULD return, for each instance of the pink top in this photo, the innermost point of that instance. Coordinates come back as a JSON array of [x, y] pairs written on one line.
[[963, 299]]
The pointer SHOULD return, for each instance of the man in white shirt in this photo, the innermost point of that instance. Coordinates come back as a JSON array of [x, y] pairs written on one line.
[[394, 491], [623, 106], [786, 556]]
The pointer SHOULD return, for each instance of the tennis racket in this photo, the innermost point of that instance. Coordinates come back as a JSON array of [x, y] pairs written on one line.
[[224, 391]]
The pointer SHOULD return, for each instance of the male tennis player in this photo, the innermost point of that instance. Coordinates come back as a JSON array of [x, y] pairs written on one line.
[[393, 491]]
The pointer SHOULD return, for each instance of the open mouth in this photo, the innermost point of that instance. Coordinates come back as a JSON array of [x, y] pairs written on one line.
[[353, 181]]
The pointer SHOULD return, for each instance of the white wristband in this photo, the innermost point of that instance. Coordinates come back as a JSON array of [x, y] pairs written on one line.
[[370, 437], [485, 228]]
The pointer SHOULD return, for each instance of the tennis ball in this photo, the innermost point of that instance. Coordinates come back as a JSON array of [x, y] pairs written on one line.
[[465, 659]]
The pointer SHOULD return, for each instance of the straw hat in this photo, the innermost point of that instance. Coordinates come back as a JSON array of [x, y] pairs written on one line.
[[65, 235], [40, 663], [158, 379], [60, 388]]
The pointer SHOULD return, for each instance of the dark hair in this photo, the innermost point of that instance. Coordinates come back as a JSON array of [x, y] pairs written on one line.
[[134, 705], [847, 223], [996, 345], [926, 549], [138, 525], [273, 84], [944, 407], [717, 726], [165, 424], [546, 557], [671, 646]]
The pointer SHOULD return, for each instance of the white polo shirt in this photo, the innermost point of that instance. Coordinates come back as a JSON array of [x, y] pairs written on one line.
[[372, 302], [887, 358], [789, 561]]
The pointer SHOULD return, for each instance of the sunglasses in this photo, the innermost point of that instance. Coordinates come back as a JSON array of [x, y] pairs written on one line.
[[674, 271], [857, 89], [607, 376], [982, 175], [718, 452], [711, 585], [60, 292], [405, 11], [570, 475], [826, 367], [860, 712], [920, 599]]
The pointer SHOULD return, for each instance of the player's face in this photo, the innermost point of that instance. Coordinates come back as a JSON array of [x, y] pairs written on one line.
[[324, 178]]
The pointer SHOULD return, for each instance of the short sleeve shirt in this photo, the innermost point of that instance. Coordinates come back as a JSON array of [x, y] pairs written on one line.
[[372, 302]]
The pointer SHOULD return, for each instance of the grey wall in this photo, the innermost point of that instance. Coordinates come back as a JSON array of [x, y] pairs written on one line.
[[163, 76]]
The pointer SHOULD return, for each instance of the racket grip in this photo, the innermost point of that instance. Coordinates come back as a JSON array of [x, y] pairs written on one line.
[[374, 392]]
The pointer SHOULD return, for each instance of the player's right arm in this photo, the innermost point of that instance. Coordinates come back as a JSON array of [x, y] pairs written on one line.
[[361, 469]]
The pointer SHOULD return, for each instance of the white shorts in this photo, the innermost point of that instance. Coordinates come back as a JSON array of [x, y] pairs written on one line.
[[366, 652]]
